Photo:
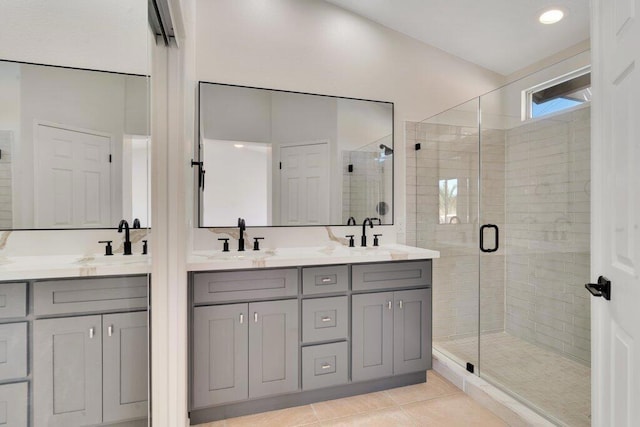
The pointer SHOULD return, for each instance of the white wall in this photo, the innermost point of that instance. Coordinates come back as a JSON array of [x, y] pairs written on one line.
[[313, 46], [96, 34]]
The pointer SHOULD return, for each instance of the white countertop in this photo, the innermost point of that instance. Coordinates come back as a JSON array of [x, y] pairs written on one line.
[[48, 267], [58, 266], [287, 257]]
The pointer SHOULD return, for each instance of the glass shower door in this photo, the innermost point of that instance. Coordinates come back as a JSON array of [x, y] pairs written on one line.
[[534, 313], [444, 184]]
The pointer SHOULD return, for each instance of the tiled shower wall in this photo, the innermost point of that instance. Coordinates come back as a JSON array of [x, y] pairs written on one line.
[[451, 152], [363, 188], [6, 198], [548, 232]]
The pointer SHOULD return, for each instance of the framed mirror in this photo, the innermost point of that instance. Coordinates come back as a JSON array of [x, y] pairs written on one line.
[[73, 147], [280, 158]]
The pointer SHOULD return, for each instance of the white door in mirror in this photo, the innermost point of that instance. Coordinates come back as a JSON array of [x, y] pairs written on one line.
[[72, 176], [304, 184]]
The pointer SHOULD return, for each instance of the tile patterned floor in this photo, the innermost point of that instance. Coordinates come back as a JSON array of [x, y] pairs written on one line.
[[551, 383], [434, 403]]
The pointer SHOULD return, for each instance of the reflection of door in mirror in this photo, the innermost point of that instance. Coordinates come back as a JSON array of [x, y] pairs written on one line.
[[135, 178], [72, 176], [304, 184]]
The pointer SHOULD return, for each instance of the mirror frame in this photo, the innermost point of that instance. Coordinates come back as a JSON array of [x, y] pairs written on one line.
[[197, 165]]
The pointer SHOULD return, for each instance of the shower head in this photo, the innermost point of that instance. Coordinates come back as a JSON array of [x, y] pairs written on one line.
[[387, 150]]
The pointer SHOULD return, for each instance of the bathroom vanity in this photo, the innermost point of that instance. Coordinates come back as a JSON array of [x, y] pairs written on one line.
[[73, 343], [290, 327]]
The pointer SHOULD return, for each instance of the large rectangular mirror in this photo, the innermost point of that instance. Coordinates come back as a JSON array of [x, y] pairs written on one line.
[[73, 147], [279, 158]]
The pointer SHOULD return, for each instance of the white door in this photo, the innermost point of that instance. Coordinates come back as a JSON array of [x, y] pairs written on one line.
[[304, 185], [616, 212], [72, 179]]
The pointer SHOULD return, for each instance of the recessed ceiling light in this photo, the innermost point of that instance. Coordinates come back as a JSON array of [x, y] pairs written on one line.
[[551, 16], [238, 145]]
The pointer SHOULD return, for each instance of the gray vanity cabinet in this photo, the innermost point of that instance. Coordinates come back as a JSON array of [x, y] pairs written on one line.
[[372, 336], [273, 347], [124, 367], [244, 351], [220, 354], [391, 333], [67, 371], [89, 365]]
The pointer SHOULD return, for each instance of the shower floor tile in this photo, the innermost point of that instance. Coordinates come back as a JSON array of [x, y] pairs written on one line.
[[554, 385]]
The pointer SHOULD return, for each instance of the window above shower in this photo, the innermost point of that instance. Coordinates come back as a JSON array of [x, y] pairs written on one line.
[[562, 93]]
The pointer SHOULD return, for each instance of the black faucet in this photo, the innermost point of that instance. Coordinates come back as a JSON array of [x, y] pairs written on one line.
[[127, 240], [136, 223], [351, 221], [363, 240], [242, 227]]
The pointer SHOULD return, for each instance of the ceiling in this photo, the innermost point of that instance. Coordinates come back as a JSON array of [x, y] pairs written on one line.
[[501, 35]]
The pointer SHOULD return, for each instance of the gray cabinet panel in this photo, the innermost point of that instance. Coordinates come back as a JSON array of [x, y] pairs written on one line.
[[237, 285], [13, 351], [372, 336], [220, 354], [390, 275], [273, 350], [89, 295], [67, 371], [325, 319], [412, 331], [13, 300], [125, 366], [324, 365], [318, 280], [13, 405]]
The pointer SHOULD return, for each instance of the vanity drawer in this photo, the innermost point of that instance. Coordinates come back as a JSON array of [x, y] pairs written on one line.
[[13, 300], [324, 365], [391, 275], [89, 295], [242, 285], [13, 351], [324, 319], [13, 404], [319, 280]]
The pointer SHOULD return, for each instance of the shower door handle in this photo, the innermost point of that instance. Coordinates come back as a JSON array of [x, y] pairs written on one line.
[[497, 238]]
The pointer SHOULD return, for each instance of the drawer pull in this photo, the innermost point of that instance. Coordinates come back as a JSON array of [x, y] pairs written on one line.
[[325, 366], [400, 303], [92, 332], [325, 319], [389, 305], [110, 330], [241, 318], [326, 279], [255, 317]]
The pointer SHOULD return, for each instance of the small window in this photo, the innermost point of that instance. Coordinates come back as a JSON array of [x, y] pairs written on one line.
[[448, 201], [559, 94]]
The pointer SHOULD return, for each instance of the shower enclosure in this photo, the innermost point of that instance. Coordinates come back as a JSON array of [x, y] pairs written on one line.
[[504, 197]]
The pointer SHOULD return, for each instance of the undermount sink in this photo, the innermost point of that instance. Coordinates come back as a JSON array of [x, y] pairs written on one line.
[[113, 259]]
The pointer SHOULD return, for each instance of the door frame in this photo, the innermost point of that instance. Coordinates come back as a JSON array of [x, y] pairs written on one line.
[[36, 159]]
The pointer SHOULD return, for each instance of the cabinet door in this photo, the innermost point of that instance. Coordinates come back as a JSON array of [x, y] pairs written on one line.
[[411, 331], [220, 354], [67, 371], [125, 366], [273, 348], [372, 336]]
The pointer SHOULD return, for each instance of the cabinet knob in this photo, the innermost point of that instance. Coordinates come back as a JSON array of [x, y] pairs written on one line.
[[110, 330], [325, 366], [326, 279], [325, 319], [400, 304], [92, 332], [255, 317], [241, 318], [389, 305]]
